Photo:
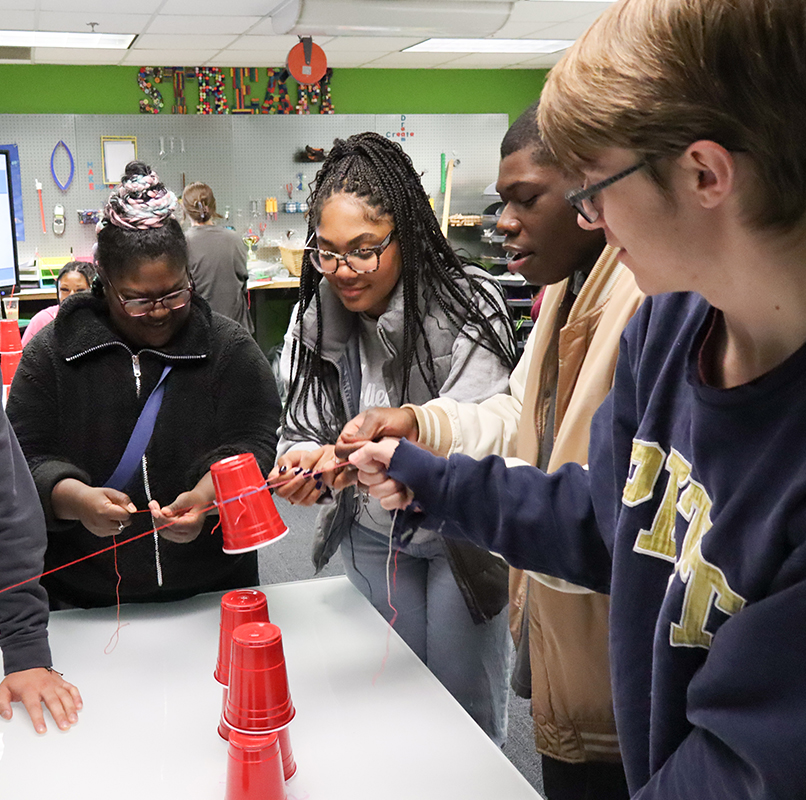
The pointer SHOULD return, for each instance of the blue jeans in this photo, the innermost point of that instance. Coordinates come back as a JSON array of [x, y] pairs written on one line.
[[471, 661]]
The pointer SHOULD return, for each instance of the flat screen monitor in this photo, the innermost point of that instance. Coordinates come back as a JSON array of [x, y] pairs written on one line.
[[9, 268]]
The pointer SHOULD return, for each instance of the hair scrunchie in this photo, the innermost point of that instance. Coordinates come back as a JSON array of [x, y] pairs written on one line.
[[139, 203]]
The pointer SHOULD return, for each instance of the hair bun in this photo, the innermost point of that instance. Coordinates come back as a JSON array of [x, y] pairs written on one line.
[[141, 200]]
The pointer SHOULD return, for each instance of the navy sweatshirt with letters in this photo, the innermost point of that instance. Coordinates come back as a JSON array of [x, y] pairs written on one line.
[[692, 515]]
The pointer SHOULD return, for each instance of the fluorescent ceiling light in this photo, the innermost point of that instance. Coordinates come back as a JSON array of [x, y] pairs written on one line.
[[108, 41], [490, 46]]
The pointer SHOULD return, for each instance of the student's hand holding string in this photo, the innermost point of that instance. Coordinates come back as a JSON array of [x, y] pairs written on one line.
[[375, 423], [186, 514], [372, 461], [101, 510], [32, 688], [306, 474]]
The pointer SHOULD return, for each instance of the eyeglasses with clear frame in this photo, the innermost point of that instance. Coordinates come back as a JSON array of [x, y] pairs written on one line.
[[361, 260], [582, 199], [140, 306]]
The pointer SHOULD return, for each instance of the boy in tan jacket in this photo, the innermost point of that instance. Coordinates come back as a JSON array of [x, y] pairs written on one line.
[[566, 370]]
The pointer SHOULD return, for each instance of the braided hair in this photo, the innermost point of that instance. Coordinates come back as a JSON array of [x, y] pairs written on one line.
[[138, 223], [378, 171]]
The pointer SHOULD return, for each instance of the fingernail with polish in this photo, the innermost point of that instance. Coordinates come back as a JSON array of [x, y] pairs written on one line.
[[319, 485], [307, 473], [298, 470], [283, 470]]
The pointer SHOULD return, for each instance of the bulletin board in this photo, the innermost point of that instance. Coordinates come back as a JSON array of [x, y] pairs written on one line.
[[243, 158]]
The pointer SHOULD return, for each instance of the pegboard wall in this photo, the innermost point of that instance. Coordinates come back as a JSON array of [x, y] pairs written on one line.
[[243, 158]]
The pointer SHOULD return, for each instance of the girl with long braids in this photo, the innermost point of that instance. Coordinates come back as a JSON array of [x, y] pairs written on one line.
[[87, 381], [388, 315]]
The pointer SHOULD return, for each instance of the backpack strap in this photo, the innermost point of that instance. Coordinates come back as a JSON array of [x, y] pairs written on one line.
[[141, 435]]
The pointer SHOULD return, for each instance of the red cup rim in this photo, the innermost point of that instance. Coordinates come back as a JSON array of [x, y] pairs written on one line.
[[236, 551], [263, 731]]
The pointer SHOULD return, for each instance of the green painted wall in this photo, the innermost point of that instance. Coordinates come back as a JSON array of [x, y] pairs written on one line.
[[59, 89]]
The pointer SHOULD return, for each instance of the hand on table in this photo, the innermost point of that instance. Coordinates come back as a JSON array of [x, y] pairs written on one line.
[[372, 461], [32, 687], [373, 425], [100, 510], [307, 473]]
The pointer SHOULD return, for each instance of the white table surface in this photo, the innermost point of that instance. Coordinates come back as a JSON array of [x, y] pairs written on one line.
[[366, 728]]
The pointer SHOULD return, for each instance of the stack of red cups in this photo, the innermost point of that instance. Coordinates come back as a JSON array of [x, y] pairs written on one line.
[[10, 352], [257, 704]]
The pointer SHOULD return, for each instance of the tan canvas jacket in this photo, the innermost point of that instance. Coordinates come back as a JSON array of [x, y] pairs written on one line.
[[571, 700]]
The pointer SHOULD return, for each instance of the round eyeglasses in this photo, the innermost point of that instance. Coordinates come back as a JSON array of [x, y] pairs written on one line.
[[363, 259]]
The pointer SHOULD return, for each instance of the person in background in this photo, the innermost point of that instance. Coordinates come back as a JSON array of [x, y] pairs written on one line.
[[217, 257], [560, 630], [387, 314], [83, 382], [29, 676], [692, 513], [74, 276]]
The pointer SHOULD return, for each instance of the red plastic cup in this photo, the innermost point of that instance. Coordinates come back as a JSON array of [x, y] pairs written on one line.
[[259, 700], [254, 768], [9, 362], [284, 735], [10, 339], [249, 518], [237, 607], [289, 765]]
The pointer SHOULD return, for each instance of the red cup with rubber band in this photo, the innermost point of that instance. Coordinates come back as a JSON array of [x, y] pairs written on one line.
[[249, 518], [258, 698]]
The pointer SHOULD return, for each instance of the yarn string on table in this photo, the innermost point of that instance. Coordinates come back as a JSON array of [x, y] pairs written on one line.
[[151, 531]]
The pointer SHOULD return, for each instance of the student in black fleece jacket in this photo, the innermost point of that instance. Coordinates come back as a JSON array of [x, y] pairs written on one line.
[[81, 386]]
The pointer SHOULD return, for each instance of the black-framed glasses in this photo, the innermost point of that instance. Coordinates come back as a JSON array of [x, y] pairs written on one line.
[[363, 259], [582, 199], [140, 306]]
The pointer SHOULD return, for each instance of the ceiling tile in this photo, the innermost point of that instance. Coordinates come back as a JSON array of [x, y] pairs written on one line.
[[344, 60], [369, 44], [77, 21], [411, 60], [249, 58], [522, 30], [214, 8], [101, 6], [192, 42], [18, 20], [564, 30], [168, 23], [256, 43], [168, 58]]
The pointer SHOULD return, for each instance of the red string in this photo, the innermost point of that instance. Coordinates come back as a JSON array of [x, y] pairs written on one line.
[[116, 635], [151, 531]]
